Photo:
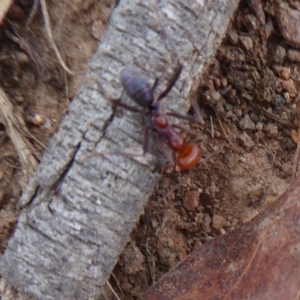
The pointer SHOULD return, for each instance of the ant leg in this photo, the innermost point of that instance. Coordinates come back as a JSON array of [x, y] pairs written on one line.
[[146, 140], [207, 158], [155, 84], [131, 155], [145, 146], [116, 102], [184, 117], [126, 106], [187, 130], [124, 154], [167, 154], [171, 83]]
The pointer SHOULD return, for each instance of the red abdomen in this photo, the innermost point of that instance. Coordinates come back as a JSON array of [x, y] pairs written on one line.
[[189, 157]]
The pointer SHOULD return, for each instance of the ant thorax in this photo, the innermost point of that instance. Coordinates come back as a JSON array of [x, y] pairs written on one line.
[[160, 120], [154, 107]]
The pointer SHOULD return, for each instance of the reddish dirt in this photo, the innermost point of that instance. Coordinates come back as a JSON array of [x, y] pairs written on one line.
[[247, 99]]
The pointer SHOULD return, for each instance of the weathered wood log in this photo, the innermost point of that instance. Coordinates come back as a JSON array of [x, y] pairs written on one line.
[[78, 214]]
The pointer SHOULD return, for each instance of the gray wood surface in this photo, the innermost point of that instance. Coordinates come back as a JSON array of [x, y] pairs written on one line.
[[78, 214]]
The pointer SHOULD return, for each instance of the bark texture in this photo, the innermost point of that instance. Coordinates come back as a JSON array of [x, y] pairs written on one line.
[[78, 214]]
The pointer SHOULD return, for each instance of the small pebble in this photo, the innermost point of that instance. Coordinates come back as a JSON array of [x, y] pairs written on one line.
[[199, 218], [259, 126], [284, 116], [126, 286], [222, 231], [287, 97], [287, 168], [271, 198], [191, 200], [246, 42], [247, 124], [154, 223], [47, 124], [210, 84], [218, 134], [235, 222], [235, 54], [217, 83], [22, 57], [197, 244], [289, 86], [285, 73], [212, 190], [215, 97], [238, 112], [233, 37], [268, 29], [294, 136], [250, 22], [206, 223], [19, 99], [293, 55], [37, 120], [246, 140], [247, 96], [271, 130], [200, 208], [258, 10], [219, 222], [242, 159], [224, 82], [279, 54]]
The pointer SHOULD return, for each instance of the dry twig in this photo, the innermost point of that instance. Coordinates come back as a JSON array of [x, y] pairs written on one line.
[[21, 145], [50, 36]]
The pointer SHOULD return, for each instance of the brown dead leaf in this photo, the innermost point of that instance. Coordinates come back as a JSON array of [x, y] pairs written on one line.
[[260, 260]]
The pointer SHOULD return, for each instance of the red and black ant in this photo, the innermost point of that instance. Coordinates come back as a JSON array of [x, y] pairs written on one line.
[[141, 92]]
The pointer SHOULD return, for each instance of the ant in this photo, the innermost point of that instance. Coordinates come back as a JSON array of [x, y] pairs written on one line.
[[141, 92]]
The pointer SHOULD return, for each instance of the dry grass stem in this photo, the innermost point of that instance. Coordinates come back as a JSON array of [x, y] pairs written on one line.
[[50, 36], [22, 146]]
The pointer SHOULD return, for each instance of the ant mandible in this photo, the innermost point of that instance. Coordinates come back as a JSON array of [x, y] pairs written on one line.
[[141, 92]]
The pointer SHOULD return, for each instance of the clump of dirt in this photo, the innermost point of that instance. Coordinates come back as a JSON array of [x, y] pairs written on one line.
[[247, 98]]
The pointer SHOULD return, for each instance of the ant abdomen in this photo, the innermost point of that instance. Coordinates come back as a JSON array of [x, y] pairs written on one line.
[[189, 157], [137, 87], [188, 154]]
